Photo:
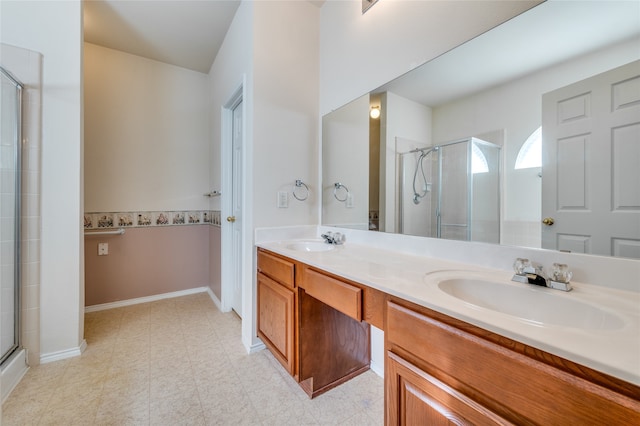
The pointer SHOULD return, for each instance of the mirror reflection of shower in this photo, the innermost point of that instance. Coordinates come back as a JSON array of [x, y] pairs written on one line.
[[451, 191], [417, 196]]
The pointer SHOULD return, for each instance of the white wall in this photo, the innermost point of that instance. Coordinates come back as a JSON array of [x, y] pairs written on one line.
[[361, 52], [285, 122], [55, 30], [146, 134]]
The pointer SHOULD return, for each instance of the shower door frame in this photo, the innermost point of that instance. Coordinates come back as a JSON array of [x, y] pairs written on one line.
[[17, 216]]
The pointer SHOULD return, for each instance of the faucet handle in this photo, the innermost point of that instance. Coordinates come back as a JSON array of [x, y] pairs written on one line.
[[560, 277], [561, 273], [521, 265]]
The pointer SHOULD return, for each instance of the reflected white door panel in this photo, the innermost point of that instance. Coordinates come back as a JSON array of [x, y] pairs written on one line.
[[592, 128]]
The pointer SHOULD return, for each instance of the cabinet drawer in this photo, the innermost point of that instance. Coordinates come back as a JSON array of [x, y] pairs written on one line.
[[341, 296], [277, 268]]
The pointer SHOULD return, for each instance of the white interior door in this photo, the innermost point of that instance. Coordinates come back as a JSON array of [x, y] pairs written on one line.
[[236, 207], [591, 165]]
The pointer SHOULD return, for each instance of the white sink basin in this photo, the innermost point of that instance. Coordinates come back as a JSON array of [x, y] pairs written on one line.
[[310, 246], [536, 305]]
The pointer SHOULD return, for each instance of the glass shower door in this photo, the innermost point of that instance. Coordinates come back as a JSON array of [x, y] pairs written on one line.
[[10, 147], [454, 195], [469, 191], [485, 203]]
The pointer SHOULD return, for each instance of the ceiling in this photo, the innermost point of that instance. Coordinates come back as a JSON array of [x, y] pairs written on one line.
[[186, 33]]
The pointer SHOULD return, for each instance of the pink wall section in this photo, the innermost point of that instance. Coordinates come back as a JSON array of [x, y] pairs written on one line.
[[215, 254], [147, 261]]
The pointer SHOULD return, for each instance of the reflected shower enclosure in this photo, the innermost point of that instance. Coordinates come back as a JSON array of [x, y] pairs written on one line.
[[450, 191], [10, 159]]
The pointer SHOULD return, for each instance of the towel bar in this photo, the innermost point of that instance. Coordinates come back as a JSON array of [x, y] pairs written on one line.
[[119, 231]]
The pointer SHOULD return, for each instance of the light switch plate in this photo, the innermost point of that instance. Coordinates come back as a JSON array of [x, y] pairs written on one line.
[[283, 199]]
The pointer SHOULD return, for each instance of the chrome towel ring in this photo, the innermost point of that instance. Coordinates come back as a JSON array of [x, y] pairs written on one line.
[[336, 187], [305, 191]]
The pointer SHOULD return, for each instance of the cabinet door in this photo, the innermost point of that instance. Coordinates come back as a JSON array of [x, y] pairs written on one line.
[[275, 320], [414, 397]]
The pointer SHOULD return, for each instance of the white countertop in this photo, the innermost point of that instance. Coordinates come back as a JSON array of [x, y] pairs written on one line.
[[613, 351]]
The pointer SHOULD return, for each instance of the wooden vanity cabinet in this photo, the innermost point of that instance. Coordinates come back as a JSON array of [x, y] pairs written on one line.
[[277, 301], [334, 342], [439, 370], [316, 324]]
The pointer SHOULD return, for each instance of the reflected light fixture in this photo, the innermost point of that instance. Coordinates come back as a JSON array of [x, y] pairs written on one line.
[[375, 112]]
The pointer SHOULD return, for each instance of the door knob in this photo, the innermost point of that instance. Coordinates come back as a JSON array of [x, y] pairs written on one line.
[[548, 221], [231, 219]]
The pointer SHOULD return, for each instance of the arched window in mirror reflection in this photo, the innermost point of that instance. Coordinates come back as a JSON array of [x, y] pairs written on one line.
[[478, 161], [530, 154]]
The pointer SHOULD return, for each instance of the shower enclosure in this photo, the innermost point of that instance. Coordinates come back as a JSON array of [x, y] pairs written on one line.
[[10, 160], [450, 191]]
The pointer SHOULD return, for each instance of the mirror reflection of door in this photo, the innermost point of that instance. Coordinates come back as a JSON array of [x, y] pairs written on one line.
[[592, 129]]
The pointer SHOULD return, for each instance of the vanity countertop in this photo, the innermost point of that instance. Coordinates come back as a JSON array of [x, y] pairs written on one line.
[[612, 350]]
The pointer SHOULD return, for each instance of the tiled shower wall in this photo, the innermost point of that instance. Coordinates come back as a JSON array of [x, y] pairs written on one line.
[[26, 65]]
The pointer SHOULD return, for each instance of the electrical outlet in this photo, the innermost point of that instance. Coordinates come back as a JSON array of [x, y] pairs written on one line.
[[283, 199], [103, 249]]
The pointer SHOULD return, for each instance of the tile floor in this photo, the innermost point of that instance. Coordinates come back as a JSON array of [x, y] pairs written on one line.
[[179, 362]]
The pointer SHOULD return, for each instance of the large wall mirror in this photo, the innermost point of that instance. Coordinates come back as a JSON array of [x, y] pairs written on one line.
[[528, 135]]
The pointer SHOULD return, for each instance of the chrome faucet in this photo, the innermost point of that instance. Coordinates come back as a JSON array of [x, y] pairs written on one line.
[[527, 273], [336, 238]]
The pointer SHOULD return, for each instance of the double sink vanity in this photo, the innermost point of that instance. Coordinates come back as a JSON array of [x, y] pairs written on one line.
[[462, 343]]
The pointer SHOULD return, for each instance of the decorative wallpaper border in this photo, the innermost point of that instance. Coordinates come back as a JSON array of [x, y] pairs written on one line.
[[144, 219]]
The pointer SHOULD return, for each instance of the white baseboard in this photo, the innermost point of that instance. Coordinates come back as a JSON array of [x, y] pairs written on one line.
[[64, 354], [256, 347], [156, 297], [12, 372], [377, 368], [215, 299]]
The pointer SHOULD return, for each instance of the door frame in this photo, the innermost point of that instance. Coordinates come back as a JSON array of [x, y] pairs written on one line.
[[228, 260]]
